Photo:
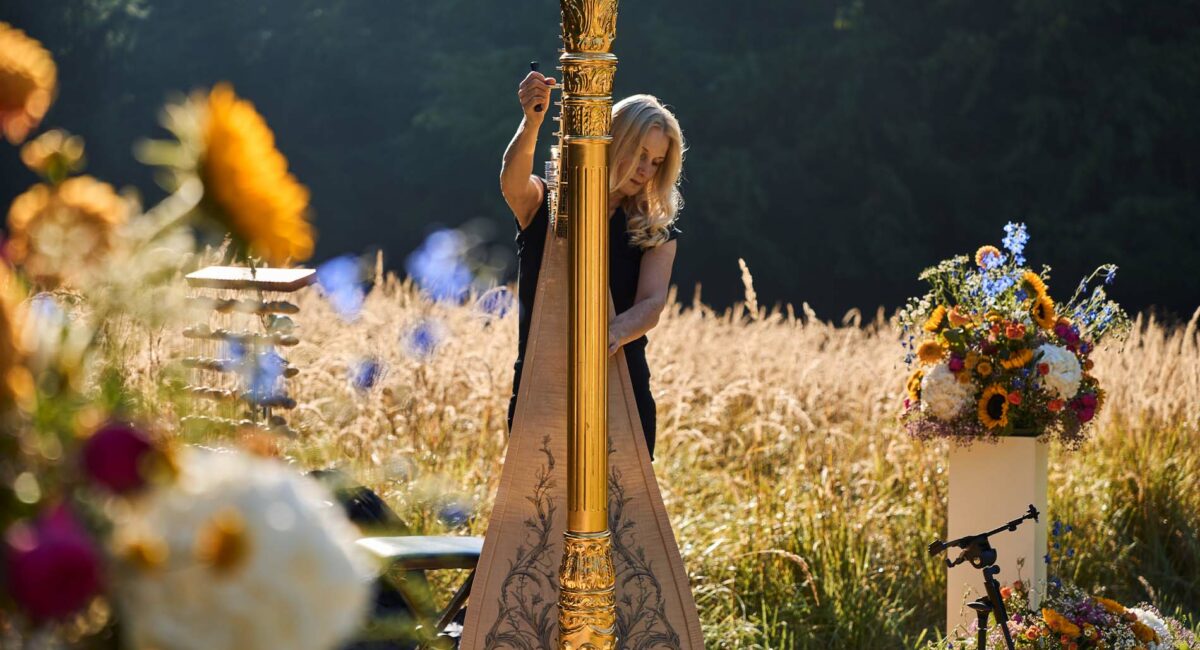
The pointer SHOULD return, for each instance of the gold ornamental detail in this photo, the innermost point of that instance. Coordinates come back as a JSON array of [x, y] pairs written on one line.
[[589, 25], [594, 78], [587, 602], [587, 117]]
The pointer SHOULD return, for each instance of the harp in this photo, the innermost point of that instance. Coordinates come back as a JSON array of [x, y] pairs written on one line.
[[551, 575]]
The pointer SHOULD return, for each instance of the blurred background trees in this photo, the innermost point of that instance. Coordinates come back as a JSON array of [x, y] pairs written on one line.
[[837, 146]]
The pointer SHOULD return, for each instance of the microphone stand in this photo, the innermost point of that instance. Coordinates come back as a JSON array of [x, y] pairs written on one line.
[[979, 552]]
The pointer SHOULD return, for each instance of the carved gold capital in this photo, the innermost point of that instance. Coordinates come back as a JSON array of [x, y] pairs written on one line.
[[589, 25], [587, 601]]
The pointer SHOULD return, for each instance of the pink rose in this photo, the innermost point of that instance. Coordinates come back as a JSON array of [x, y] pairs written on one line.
[[956, 364], [114, 457], [53, 567]]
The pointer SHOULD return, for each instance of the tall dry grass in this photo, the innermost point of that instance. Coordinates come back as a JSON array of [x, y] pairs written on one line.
[[801, 508]]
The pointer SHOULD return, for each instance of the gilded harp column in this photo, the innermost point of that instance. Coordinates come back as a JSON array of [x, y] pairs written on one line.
[[587, 614]]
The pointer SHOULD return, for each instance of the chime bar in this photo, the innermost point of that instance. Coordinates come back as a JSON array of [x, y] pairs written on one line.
[[244, 306], [226, 365], [230, 395], [247, 338]]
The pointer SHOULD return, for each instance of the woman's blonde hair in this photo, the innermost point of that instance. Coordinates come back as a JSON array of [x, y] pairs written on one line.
[[651, 211]]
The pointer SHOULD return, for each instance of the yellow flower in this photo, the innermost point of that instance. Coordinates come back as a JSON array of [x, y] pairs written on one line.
[[54, 154], [59, 233], [28, 80], [260, 202], [1060, 624], [993, 407], [223, 543], [914, 385], [972, 360], [957, 317], [1034, 283], [1043, 312], [934, 322], [930, 352], [985, 252], [984, 368], [1017, 358], [1144, 633]]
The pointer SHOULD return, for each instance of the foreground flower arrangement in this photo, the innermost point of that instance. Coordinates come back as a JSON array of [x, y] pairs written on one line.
[[997, 355], [113, 533], [1070, 619]]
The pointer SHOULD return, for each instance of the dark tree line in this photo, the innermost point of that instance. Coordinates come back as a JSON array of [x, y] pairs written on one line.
[[839, 147]]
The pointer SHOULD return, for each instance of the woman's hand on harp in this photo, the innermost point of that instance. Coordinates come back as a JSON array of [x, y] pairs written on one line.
[[534, 92]]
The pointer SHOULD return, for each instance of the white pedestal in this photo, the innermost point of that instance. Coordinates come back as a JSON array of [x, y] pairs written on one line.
[[991, 485]]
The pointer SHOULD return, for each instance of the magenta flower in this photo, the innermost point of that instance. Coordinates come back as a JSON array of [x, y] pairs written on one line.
[[53, 568], [114, 457], [956, 364]]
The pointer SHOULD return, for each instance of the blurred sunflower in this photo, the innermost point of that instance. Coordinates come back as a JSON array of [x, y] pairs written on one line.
[[1043, 312], [58, 233], [28, 79], [914, 385], [248, 190], [987, 256], [930, 352], [993, 407]]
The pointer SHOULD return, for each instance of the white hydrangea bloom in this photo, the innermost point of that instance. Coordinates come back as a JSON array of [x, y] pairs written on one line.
[[942, 396], [295, 579], [1154, 622], [1065, 373]]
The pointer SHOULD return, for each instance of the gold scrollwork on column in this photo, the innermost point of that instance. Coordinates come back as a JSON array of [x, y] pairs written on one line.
[[587, 118], [589, 25], [593, 78]]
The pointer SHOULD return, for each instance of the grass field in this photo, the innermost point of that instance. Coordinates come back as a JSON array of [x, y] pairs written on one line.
[[801, 508]]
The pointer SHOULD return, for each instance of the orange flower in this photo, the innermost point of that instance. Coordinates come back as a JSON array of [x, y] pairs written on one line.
[[1014, 331], [1112, 606], [1014, 398], [957, 318], [54, 154], [1144, 633], [1061, 624], [984, 253], [28, 81], [16, 384], [259, 201], [914, 385], [1055, 405], [984, 368]]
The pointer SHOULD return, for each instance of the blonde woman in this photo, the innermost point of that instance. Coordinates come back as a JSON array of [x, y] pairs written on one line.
[[644, 160]]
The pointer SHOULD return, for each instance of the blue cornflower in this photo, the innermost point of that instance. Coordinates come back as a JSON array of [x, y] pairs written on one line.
[[454, 514], [423, 339], [264, 377], [1111, 275], [1015, 239], [1022, 294], [366, 373], [1070, 552], [496, 302], [1056, 528], [1056, 582], [439, 268], [1046, 558], [340, 281]]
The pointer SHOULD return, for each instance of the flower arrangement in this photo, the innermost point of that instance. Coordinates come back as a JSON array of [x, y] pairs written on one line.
[[1070, 619], [112, 533], [996, 354]]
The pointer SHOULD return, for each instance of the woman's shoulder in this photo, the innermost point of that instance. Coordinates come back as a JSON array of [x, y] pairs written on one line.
[[540, 218]]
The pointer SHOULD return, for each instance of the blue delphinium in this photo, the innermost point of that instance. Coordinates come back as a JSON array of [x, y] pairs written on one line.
[[1015, 239], [340, 281], [366, 373], [496, 302], [422, 340], [439, 267]]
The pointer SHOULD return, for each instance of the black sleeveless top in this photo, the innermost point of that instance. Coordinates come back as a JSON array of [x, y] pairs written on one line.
[[624, 268]]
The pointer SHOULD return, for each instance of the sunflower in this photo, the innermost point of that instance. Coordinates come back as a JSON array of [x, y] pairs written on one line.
[[1017, 358], [55, 232], [985, 252], [993, 407], [258, 200], [930, 352], [1112, 606], [914, 385], [1034, 284], [934, 322], [1043, 312], [28, 79]]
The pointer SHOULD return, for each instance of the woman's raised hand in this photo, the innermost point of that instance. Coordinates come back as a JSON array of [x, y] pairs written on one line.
[[533, 92]]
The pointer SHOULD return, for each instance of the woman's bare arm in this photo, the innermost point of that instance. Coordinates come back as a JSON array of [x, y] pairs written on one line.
[[520, 188], [654, 278]]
